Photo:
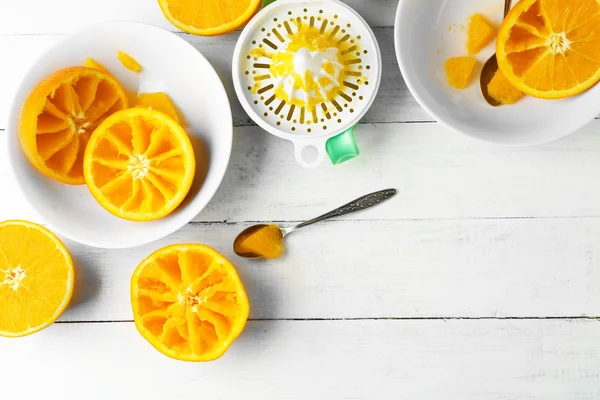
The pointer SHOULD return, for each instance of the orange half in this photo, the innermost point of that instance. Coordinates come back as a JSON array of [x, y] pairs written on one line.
[[209, 17], [36, 278], [551, 48], [139, 164], [59, 116], [189, 302]]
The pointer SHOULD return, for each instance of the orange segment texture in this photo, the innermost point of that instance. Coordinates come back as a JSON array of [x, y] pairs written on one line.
[[479, 34], [459, 71], [188, 302], [36, 278], [91, 63], [209, 17], [59, 116], [139, 164], [129, 62], [501, 90], [551, 48], [158, 101], [266, 242]]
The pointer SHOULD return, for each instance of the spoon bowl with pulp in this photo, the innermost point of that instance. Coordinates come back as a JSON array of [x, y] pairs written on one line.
[[266, 241]]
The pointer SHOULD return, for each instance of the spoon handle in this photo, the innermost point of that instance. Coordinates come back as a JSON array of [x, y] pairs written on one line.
[[362, 203], [507, 6]]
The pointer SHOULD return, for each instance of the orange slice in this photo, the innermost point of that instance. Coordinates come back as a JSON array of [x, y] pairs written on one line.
[[36, 278], [551, 48], [139, 164], [157, 101], [129, 62], [188, 302], [59, 116], [459, 71], [209, 17]]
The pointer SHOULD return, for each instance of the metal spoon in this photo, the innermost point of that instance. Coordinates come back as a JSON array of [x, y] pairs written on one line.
[[359, 204], [490, 68]]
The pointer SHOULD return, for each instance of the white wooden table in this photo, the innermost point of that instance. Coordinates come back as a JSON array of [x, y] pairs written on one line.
[[481, 280]]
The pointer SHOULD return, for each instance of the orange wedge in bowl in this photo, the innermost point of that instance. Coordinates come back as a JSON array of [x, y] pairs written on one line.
[[551, 48], [129, 62], [209, 17], [59, 116], [157, 101], [139, 164]]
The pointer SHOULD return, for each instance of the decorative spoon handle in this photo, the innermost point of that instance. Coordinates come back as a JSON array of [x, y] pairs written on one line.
[[362, 203], [507, 6]]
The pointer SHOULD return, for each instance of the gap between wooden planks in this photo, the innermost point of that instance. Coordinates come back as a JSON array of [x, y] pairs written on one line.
[[534, 268]]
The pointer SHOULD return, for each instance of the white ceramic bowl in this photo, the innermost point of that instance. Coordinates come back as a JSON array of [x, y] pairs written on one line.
[[428, 32], [170, 64]]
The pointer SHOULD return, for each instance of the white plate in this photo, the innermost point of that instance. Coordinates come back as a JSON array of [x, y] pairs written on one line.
[[428, 32], [170, 64]]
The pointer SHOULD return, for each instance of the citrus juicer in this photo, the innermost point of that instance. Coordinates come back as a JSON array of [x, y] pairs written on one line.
[[327, 128]]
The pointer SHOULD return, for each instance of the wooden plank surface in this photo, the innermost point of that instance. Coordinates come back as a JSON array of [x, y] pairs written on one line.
[[382, 268], [417, 360], [439, 175], [479, 281]]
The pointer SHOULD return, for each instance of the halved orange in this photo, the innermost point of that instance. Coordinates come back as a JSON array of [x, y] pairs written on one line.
[[209, 17], [551, 48], [36, 278], [59, 116], [139, 164], [188, 302]]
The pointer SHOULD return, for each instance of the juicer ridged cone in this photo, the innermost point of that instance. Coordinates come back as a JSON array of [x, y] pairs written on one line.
[[271, 31]]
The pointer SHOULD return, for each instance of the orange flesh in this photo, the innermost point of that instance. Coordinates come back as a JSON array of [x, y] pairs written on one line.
[[36, 278], [60, 115], [129, 62], [158, 101], [551, 48], [480, 33], [91, 63], [188, 302], [501, 90], [208, 17], [139, 164], [266, 242], [459, 71]]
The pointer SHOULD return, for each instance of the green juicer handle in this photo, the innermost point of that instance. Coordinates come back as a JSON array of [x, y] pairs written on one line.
[[342, 147]]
